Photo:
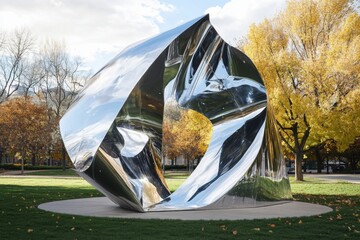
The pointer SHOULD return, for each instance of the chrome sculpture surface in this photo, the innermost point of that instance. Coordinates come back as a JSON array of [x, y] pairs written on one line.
[[184, 93]]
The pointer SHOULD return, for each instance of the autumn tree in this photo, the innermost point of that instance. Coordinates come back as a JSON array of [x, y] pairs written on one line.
[[186, 133], [309, 57], [24, 127]]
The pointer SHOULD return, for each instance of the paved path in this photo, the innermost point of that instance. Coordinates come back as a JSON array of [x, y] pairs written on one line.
[[103, 207], [352, 178]]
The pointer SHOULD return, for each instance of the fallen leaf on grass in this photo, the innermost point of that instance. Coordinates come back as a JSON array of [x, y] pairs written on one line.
[[234, 232], [300, 222], [348, 202], [272, 225], [223, 227], [30, 230], [256, 229]]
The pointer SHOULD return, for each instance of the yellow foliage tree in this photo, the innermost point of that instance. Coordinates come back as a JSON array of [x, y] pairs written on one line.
[[185, 132], [24, 127], [309, 58]]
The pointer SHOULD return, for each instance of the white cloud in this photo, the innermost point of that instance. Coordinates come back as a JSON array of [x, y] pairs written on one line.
[[232, 21], [89, 27], [97, 30]]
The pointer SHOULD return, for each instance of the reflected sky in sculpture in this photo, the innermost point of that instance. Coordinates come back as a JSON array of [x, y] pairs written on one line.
[[183, 93]]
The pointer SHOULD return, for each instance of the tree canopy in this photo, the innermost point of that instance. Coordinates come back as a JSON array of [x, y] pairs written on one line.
[[24, 127], [309, 58]]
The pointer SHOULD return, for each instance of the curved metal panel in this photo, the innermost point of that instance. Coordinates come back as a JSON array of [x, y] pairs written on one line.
[[97, 105]]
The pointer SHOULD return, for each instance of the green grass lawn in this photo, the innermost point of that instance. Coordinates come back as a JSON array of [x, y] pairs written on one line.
[[20, 218], [55, 172]]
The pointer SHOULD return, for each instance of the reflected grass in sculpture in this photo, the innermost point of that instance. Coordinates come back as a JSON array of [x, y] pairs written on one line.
[[262, 189]]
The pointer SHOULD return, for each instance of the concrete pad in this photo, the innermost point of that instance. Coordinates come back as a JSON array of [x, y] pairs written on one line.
[[103, 207]]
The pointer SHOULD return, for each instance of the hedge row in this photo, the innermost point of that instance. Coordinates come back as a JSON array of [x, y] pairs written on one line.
[[175, 167], [45, 167]]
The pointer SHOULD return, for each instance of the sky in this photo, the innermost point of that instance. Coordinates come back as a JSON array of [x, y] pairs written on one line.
[[98, 30]]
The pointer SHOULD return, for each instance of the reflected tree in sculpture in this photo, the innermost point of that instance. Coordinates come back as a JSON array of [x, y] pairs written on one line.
[[183, 93], [186, 133]]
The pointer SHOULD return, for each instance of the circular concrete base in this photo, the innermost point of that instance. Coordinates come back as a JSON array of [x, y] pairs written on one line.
[[103, 207]]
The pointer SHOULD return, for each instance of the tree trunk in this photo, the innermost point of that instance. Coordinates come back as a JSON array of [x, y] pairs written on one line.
[[353, 163], [63, 156], [33, 159], [327, 165], [298, 166], [22, 162], [319, 160], [338, 161], [50, 157]]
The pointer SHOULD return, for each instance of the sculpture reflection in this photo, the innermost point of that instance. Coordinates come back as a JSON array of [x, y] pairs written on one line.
[[182, 93]]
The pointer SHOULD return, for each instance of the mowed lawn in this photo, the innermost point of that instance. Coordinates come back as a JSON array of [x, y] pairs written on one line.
[[21, 219]]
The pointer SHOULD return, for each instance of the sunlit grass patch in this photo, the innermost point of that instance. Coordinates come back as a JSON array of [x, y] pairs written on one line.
[[322, 187], [57, 172]]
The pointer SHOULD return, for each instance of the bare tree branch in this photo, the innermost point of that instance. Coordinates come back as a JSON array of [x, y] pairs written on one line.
[[12, 61]]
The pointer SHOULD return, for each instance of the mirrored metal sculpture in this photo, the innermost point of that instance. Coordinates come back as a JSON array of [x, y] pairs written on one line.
[[184, 93]]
